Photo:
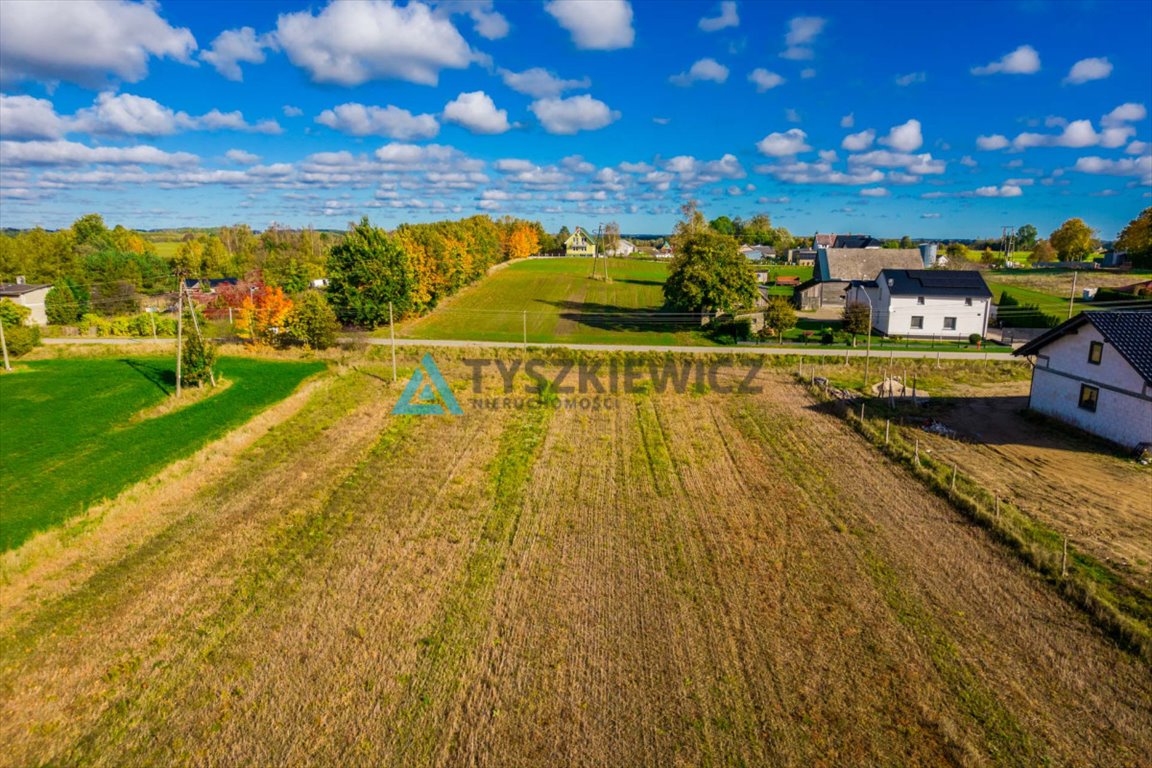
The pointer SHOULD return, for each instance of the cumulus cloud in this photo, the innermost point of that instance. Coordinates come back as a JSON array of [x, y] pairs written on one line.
[[1127, 166], [241, 157], [391, 122], [18, 153], [1022, 61], [1125, 113], [797, 172], [291, 111], [234, 46], [539, 83], [488, 23], [855, 142], [129, 115], [598, 25], [573, 114], [905, 137], [477, 112], [995, 141], [802, 32], [875, 192], [1005, 190], [727, 18], [26, 117], [703, 70], [929, 215], [86, 41], [920, 165], [790, 142], [911, 79], [1079, 134], [353, 43], [848, 121], [1087, 70], [764, 80]]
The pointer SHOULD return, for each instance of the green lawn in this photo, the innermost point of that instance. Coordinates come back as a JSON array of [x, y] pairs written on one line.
[[69, 439], [563, 303], [1048, 304]]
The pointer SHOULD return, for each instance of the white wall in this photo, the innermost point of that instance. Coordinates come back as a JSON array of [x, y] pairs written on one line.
[[894, 315], [34, 300], [1122, 417]]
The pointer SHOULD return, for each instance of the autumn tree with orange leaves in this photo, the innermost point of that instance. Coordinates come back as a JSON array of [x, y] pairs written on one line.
[[263, 315]]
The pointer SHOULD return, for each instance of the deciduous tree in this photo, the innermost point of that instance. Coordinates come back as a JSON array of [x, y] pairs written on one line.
[[779, 316], [708, 272], [1136, 240], [1073, 240], [311, 321], [857, 319], [366, 271]]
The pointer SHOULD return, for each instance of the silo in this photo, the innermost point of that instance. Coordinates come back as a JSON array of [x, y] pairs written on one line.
[[928, 254]]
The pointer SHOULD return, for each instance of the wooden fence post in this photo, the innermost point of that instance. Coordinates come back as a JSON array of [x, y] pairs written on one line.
[[953, 476], [916, 455], [1064, 560], [887, 429]]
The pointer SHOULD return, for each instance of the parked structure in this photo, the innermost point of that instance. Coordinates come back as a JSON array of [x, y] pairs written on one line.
[[29, 295], [927, 303], [836, 268], [1095, 372], [579, 244]]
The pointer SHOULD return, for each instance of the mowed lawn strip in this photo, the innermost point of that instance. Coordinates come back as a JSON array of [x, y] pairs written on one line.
[[563, 303], [69, 438]]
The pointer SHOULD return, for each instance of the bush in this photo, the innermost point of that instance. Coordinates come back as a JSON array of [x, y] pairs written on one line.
[[1023, 315], [730, 331], [137, 326], [61, 306], [311, 321], [975, 338], [827, 337], [197, 356], [21, 339]]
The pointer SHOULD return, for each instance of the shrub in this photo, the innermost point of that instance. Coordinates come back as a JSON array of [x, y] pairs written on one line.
[[197, 356], [61, 306], [311, 321], [19, 338], [975, 338], [730, 331], [827, 337]]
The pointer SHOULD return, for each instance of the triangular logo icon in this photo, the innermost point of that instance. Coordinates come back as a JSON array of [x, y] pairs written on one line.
[[427, 392]]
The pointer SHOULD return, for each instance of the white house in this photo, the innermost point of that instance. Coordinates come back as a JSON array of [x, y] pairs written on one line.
[[926, 303], [27, 295], [1095, 372], [623, 248]]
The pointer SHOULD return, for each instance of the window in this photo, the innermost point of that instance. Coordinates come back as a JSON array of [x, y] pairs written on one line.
[[949, 323], [1088, 397], [919, 299], [1095, 352], [968, 302], [917, 322]]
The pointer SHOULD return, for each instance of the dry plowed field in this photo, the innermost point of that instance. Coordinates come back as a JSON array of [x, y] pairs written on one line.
[[676, 580]]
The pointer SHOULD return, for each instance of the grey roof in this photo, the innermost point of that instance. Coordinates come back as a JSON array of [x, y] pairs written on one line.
[[843, 264], [856, 241], [19, 289], [1129, 331], [935, 282]]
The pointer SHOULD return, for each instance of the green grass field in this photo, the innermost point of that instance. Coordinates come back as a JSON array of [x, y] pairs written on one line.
[[69, 438], [563, 303]]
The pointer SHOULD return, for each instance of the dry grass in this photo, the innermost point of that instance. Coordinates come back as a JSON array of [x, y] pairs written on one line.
[[678, 580]]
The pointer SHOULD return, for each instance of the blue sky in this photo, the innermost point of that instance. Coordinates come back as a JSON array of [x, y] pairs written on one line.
[[934, 120]]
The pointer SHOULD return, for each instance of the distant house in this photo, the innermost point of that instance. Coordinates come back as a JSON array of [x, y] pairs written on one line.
[[926, 303], [758, 252], [856, 241], [1095, 372], [623, 248], [579, 244], [29, 295], [208, 285], [804, 257], [837, 268], [664, 252], [823, 241], [320, 282]]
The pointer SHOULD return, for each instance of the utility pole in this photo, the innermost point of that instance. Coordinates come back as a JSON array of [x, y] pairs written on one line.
[[392, 334], [196, 325], [179, 328], [4, 346], [525, 326], [1072, 297]]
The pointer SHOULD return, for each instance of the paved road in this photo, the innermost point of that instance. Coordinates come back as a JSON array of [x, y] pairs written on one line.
[[741, 350]]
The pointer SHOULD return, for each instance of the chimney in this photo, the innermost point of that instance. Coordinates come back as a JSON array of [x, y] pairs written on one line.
[[928, 254]]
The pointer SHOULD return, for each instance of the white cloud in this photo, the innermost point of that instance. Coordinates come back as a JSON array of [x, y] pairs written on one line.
[[968, 162], [599, 25], [514, 165], [477, 112], [242, 157], [791, 115], [828, 155], [704, 69], [905, 137], [574, 114], [488, 23], [802, 32], [995, 141], [1086, 70], [920, 165], [848, 121], [86, 41], [1077, 134], [1138, 148], [797, 172], [233, 46], [790, 142], [1125, 113], [17, 153], [911, 78], [1022, 61], [929, 215], [1127, 166], [764, 80], [26, 117], [392, 122], [875, 192], [1006, 190], [352, 43], [727, 18], [855, 142], [291, 111], [126, 114], [539, 83]]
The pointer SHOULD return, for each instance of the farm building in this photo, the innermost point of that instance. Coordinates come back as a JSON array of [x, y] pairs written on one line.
[[804, 257], [29, 295], [925, 302], [1095, 372], [758, 252], [623, 248], [837, 268], [579, 244]]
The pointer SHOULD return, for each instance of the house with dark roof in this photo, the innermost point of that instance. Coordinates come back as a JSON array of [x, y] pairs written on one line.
[[856, 241], [836, 268], [29, 295], [1095, 373], [925, 303]]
